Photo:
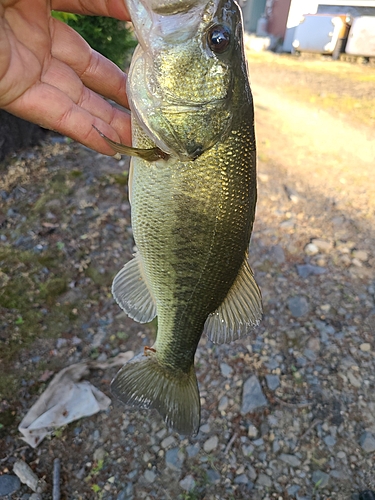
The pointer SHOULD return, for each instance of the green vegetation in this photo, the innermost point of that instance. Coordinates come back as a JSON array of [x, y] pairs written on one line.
[[121, 179], [29, 283], [110, 37]]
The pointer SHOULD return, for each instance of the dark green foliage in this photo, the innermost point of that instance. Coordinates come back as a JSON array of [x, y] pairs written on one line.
[[108, 36]]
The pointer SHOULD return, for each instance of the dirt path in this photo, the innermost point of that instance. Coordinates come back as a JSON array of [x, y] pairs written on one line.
[[314, 150]]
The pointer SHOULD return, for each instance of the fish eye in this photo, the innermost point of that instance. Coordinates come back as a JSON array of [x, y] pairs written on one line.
[[218, 38]]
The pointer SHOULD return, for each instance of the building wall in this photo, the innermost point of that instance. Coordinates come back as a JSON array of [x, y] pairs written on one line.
[[354, 11], [277, 13], [252, 11]]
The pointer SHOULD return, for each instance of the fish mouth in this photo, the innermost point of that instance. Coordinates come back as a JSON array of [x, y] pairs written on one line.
[[175, 7]]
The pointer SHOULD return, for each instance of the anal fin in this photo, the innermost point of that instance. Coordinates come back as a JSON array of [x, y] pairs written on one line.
[[132, 292], [240, 311]]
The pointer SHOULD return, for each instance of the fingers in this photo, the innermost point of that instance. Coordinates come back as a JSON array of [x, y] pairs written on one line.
[[95, 71], [109, 8], [53, 109], [62, 77]]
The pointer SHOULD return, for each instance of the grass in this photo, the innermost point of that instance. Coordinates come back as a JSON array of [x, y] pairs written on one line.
[[30, 288]]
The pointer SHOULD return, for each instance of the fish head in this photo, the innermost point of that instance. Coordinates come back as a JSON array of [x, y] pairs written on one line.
[[182, 74]]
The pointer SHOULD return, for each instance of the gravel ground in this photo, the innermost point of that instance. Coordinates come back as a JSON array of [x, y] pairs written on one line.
[[288, 412]]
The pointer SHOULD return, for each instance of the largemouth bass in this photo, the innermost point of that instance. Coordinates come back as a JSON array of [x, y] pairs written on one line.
[[193, 196]]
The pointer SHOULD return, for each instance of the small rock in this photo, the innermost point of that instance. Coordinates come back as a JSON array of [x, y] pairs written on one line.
[[127, 493], [188, 483], [211, 444], [247, 450], [311, 249], [174, 459], [314, 344], [146, 456], [287, 224], [160, 434], [272, 364], [252, 396], [251, 472], [99, 454], [273, 382], [252, 431], [275, 446], [150, 476], [225, 369], [329, 441], [277, 255], [360, 255], [213, 476], [205, 428], [36, 496], [309, 354], [306, 270], [292, 490], [355, 381], [292, 194], [61, 342], [9, 484], [168, 441], [264, 480], [322, 245], [367, 442], [365, 347], [241, 479], [223, 403], [28, 476], [298, 306], [320, 479], [291, 460], [339, 474], [192, 450]]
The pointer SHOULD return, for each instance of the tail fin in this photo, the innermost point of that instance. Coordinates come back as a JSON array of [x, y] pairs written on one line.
[[144, 383]]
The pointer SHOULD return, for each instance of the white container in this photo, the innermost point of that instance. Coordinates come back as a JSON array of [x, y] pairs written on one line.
[[361, 39], [318, 33]]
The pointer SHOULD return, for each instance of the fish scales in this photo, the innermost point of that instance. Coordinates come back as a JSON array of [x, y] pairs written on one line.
[[209, 211], [192, 210]]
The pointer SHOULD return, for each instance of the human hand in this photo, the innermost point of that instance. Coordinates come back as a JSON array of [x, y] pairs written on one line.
[[49, 75]]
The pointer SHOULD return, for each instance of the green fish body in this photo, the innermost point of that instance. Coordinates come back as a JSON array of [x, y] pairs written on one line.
[[193, 209]]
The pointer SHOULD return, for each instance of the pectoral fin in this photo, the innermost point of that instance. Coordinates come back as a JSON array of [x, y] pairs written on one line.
[[152, 154], [240, 311], [132, 292]]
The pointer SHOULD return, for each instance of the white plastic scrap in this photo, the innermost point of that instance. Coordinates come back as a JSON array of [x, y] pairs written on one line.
[[67, 399]]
